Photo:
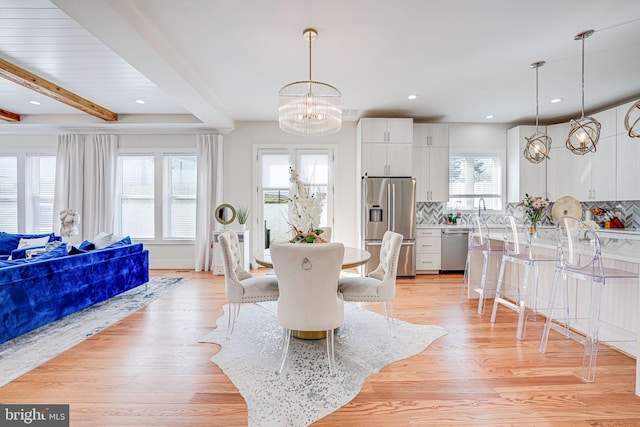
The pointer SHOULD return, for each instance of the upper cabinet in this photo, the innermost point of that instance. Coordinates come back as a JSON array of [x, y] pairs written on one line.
[[628, 153], [387, 130], [431, 162], [523, 177], [386, 146]]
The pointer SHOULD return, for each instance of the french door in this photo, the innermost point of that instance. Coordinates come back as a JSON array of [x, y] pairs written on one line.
[[315, 168]]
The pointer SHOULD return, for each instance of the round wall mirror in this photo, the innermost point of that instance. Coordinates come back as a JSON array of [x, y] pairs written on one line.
[[225, 214]]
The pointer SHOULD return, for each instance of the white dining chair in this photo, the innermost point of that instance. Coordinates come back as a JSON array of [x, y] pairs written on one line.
[[240, 286], [309, 298], [380, 284], [580, 258]]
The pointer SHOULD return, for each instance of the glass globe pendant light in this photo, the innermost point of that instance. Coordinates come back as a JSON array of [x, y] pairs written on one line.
[[585, 132], [538, 144]]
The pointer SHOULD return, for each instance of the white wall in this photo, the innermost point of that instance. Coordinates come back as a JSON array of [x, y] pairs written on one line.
[[239, 182]]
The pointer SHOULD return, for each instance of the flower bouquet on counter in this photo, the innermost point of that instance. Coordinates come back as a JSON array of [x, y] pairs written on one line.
[[534, 207], [305, 209]]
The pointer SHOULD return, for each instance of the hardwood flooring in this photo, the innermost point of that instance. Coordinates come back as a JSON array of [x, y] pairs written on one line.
[[149, 370]]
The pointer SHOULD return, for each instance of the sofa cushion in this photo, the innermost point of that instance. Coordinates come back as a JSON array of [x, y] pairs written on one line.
[[122, 242], [32, 243], [10, 241], [86, 246], [103, 240]]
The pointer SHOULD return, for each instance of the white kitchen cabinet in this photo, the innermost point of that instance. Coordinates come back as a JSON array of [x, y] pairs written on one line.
[[245, 247], [523, 177], [431, 162], [607, 121], [562, 173], [628, 171], [386, 146], [428, 250], [589, 177], [399, 130]]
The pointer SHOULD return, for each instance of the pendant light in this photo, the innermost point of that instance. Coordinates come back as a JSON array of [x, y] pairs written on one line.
[[585, 132], [538, 144], [632, 120], [309, 108]]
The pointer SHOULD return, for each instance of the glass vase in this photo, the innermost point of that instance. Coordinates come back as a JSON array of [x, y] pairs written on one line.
[[533, 230]]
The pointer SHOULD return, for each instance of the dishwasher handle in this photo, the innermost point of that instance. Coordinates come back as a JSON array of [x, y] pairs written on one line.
[[452, 231]]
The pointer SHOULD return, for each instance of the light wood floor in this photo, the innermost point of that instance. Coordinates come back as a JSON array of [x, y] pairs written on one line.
[[149, 370]]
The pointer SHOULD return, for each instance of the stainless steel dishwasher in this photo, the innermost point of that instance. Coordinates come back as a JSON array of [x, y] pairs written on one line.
[[454, 249]]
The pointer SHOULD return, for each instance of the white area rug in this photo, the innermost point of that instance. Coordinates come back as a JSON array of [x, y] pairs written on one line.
[[28, 351], [305, 392]]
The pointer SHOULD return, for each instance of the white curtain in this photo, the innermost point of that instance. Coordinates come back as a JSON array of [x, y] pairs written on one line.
[[69, 190], [209, 189], [100, 163]]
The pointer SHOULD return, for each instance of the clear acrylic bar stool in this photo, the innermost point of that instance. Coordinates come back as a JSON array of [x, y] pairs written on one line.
[[517, 250], [479, 242], [580, 258]]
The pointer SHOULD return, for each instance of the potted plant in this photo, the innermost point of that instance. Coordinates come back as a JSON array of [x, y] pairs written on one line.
[[243, 215]]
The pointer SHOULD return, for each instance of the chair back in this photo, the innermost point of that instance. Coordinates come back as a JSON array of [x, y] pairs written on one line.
[[479, 233], [579, 247], [326, 233], [517, 238], [388, 267], [233, 271], [308, 282]]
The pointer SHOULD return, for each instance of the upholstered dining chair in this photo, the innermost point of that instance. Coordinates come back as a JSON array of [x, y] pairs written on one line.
[[309, 298], [240, 286], [517, 250], [479, 242], [580, 258], [380, 284]]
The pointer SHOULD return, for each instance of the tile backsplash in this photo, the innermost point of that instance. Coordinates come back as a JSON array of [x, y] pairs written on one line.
[[435, 212]]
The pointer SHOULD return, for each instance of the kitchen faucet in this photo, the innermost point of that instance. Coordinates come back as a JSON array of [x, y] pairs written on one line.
[[484, 206]]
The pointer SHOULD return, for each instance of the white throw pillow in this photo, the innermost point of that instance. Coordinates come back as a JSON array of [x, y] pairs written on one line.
[[29, 243], [103, 240]]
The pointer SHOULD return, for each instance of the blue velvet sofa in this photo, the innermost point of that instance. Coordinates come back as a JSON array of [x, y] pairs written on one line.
[[37, 291], [9, 243]]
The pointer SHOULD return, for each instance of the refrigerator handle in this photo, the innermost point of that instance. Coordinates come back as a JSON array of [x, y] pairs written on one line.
[[392, 208]]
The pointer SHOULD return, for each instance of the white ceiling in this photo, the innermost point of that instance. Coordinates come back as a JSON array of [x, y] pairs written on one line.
[[205, 64]]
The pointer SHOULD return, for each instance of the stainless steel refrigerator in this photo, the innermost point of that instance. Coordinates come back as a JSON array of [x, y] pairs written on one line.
[[389, 204]]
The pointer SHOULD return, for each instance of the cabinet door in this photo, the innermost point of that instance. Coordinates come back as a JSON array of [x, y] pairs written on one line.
[[607, 121], [400, 130], [439, 135], [399, 159], [373, 130], [439, 173], [628, 172], [603, 170], [421, 166], [563, 177], [374, 159]]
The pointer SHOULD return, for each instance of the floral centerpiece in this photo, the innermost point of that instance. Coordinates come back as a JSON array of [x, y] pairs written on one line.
[[534, 207], [305, 209]]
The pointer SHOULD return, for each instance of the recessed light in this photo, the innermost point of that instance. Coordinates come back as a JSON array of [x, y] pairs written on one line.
[[490, 116], [412, 97], [139, 101], [34, 102], [556, 100]]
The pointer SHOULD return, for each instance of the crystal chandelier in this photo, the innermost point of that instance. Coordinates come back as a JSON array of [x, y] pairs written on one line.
[[631, 123], [309, 108], [585, 132], [538, 144]]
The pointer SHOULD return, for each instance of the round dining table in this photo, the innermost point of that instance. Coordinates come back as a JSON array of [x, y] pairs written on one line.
[[353, 257]]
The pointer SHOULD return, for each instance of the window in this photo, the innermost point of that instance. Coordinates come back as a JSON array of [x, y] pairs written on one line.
[[179, 207], [39, 188], [9, 194], [314, 166], [136, 205], [475, 176]]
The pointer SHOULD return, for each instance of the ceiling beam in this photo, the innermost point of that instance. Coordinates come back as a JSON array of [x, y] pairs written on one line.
[[31, 81], [8, 116]]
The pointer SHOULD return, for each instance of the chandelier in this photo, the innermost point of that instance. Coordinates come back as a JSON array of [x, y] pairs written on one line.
[[307, 107], [538, 144], [631, 123], [585, 132]]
